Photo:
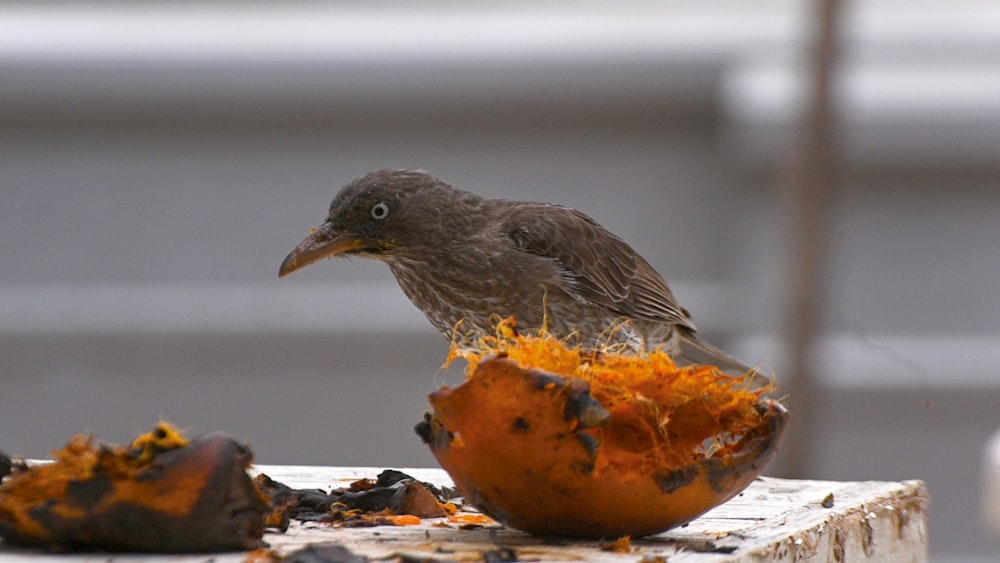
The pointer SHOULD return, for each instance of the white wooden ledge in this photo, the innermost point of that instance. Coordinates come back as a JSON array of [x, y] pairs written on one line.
[[772, 520]]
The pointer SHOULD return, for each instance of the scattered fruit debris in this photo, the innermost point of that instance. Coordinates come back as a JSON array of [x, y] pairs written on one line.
[[392, 499]]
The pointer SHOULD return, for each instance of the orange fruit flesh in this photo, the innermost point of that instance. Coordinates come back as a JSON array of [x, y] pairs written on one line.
[[554, 440]]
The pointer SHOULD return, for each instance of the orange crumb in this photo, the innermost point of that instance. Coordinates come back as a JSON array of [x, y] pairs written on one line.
[[620, 545], [464, 519], [404, 520]]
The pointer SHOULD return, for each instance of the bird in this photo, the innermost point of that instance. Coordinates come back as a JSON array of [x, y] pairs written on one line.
[[466, 261]]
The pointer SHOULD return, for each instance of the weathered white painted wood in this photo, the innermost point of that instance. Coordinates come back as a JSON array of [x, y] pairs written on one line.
[[772, 520]]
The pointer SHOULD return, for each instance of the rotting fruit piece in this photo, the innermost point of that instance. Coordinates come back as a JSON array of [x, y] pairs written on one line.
[[162, 493], [555, 440]]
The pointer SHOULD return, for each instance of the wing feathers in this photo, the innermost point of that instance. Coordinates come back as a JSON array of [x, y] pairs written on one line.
[[600, 267]]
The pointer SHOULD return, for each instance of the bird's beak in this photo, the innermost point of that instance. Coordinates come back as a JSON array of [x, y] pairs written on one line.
[[324, 242]]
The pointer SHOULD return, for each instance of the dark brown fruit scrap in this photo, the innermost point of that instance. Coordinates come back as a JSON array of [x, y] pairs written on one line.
[[159, 495]]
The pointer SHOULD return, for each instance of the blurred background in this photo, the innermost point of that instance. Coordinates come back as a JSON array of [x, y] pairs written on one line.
[[159, 159]]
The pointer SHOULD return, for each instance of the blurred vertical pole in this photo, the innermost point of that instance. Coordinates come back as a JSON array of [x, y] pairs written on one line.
[[808, 190]]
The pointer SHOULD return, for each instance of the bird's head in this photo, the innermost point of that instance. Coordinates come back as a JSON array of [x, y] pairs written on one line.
[[379, 215]]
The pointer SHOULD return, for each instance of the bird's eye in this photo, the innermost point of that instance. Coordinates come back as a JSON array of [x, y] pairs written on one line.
[[380, 210]]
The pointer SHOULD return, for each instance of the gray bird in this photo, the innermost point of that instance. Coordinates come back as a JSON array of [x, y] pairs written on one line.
[[466, 261]]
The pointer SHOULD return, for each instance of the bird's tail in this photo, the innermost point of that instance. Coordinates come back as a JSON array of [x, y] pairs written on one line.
[[692, 350]]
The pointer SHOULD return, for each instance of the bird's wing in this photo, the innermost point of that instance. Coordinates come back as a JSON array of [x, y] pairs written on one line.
[[598, 266]]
